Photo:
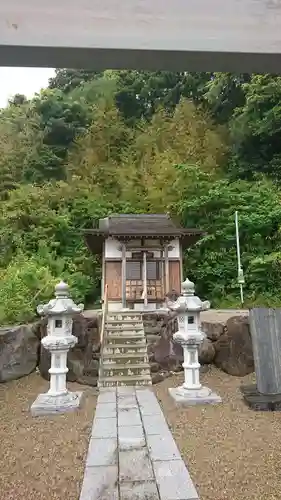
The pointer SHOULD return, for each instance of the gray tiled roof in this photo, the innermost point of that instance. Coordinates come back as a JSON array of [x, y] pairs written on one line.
[[142, 224], [139, 225]]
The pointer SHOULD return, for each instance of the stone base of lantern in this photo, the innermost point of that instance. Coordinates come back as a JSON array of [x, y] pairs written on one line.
[[260, 402], [192, 397], [45, 404]]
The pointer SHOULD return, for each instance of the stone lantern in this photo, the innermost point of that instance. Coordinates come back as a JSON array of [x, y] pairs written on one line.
[[58, 341], [188, 308]]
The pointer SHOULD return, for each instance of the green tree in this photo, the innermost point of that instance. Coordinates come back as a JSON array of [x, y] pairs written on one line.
[[138, 94], [95, 159], [69, 79], [210, 205], [62, 120], [141, 93], [255, 129], [224, 93], [149, 176], [20, 138]]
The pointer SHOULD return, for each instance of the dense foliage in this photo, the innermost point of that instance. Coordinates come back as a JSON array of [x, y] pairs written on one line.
[[197, 145]]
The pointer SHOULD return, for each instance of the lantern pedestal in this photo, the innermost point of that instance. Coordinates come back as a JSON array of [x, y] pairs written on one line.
[[191, 397], [192, 392], [58, 399], [45, 404]]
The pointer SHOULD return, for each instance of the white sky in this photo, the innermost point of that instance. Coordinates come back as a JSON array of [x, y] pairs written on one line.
[[25, 81]]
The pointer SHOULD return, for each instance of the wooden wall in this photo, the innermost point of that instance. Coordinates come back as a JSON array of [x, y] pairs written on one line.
[[113, 278], [175, 275]]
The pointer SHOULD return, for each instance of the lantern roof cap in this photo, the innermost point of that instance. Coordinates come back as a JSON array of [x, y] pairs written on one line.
[[62, 289], [188, 301], [188, 288], [62, 304]]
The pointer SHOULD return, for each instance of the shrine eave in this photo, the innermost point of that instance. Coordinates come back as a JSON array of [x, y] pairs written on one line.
[[95, 237]]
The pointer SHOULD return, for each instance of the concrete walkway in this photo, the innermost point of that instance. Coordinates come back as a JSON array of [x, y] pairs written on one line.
[[132, 454]]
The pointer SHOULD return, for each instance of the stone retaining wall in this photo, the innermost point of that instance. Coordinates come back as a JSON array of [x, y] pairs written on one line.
[[21, 352], [164, 355], [228, 346]]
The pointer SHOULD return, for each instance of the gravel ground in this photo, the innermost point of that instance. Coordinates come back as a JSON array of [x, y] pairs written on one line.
[[41, 458], [232, 452]]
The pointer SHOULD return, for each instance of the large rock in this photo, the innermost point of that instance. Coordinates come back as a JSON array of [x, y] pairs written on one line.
[[83, 359], [19, 351], [164, 352], [213, 329], [159, 327], [234, 353], [206, 352]]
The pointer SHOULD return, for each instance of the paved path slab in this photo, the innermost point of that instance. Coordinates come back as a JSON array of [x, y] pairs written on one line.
[[132, 454]]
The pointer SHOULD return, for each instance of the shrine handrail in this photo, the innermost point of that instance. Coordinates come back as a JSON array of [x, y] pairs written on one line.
[[104, 313]]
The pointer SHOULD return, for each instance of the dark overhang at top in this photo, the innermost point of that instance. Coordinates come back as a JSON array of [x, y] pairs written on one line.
[[176, 35], [133, 226]]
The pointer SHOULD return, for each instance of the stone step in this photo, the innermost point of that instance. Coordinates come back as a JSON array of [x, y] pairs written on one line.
[[124, 333], [114, 370], [126, 358], [124, 317], [132, 380], [132, 338], [123, 325], [126, 349]]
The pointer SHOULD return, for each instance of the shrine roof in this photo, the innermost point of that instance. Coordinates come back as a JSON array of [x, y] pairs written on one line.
[[140, 225]]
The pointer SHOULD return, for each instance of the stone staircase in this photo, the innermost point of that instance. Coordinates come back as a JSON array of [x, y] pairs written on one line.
[[124, 359]]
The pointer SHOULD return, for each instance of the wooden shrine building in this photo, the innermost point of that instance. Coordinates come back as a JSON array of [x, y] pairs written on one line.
[[141, 258]]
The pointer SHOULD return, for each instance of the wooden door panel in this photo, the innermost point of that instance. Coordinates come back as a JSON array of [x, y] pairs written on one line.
[[174, 276], [113, 278]]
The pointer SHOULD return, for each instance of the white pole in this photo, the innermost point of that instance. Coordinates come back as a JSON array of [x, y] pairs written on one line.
[[240, 272], [237, 240], [144, 278], [241, 294]]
